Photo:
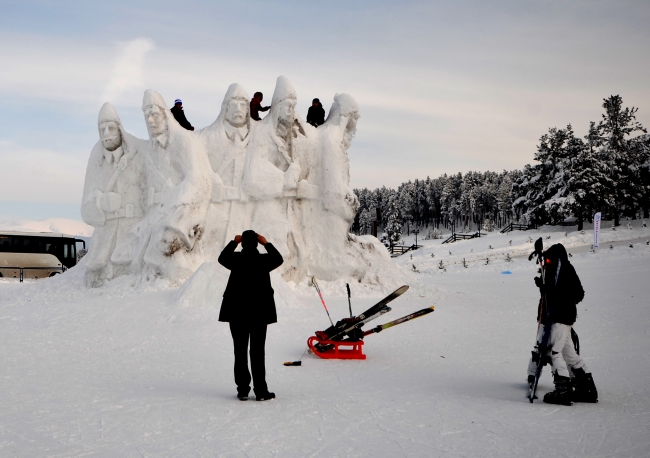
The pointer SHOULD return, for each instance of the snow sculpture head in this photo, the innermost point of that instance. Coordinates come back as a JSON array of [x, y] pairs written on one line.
[[284, 102], [236, 106], [345, 114], [109, 126], [155, 115]]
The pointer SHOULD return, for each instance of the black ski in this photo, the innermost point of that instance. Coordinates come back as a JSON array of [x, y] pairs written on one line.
[[542, 345], [404, 319], [343, 327]]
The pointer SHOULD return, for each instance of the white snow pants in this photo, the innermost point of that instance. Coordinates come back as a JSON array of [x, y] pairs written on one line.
[[562, 351]]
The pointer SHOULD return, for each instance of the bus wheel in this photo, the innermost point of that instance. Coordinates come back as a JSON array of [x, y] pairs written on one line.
[[53, 274]]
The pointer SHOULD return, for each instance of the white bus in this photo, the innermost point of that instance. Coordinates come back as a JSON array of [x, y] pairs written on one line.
[[36, 254]]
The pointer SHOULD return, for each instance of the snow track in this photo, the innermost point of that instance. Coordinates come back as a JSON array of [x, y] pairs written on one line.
[[129, 372]]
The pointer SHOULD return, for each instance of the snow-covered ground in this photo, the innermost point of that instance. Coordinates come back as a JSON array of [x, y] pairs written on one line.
[[137, 371]]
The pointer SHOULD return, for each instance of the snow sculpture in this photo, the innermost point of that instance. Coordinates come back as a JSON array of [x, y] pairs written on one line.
[[163, 207], [178, 189], [111, 201], [271, 177], [225, 141], [332, 219]]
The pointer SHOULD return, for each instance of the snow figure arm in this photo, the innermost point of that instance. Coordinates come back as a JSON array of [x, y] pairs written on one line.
[[274, 258], [262, 180], [190, 198], [226, 258], [91, 208]]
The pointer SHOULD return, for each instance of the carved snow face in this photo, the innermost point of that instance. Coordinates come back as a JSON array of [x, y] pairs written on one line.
[[156, 121], [110, 135], [286, 111], [352, 123], [237, 112]]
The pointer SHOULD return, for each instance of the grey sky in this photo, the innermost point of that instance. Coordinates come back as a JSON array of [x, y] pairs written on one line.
[[443, 87]]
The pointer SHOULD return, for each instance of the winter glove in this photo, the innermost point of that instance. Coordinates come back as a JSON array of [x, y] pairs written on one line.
[[540, 283], [238, 239], [261, 239]]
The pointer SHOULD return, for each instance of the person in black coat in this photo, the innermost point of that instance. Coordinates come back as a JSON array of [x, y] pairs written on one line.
[[316, 113], [561, 292], [179, 115], [248, 306]]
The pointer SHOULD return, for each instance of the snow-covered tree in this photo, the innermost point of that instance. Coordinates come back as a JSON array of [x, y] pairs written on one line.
[[394, 222]]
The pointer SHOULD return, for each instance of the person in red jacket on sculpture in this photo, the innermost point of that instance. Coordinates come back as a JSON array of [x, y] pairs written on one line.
[[248, 306], [256, 106]]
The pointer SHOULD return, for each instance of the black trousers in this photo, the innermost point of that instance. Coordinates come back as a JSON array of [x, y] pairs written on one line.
[[241, 334]]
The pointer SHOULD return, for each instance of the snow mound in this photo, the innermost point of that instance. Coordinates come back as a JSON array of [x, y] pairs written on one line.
[[207, 285]]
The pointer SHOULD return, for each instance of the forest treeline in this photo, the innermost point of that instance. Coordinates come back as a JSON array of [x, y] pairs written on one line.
[[608, 171]]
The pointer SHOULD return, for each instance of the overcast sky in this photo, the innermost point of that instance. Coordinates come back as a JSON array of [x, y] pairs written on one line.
[[443, 87]]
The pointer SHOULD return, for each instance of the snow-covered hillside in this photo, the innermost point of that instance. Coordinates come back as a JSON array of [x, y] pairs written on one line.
[[134, 370], [60, 225]]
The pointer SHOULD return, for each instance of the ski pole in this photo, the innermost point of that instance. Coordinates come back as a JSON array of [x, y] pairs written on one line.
[[313, 282], [349, 302]]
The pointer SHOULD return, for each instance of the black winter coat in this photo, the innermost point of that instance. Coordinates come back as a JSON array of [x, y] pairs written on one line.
[[249, 295], [316, 115], [179, 115], [563, 288]]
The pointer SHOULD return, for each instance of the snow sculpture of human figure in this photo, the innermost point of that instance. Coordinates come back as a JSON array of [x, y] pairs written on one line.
[[112, 199], [178, 185], [271, 175], [339, 204], [225, 141]]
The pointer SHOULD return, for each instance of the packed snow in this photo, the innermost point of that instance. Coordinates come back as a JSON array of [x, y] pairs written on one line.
[[145, 369]]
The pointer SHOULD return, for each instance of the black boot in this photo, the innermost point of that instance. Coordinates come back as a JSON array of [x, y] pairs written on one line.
[[531, 381], [563, 393], [584, 388]]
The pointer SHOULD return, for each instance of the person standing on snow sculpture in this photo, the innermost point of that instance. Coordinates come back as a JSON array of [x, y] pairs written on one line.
[[271, 179], [563, 290], [249, 307], [256, 106], [226, 140], [112, 199], [316, 113], [178, 186], [179, 115]]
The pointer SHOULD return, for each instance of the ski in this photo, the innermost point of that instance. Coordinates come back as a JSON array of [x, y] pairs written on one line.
[[404, 319], [342, 327], [542, 345], [350, 331]]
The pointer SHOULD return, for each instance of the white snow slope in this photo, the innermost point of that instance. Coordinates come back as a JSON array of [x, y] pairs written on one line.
[[137, 371]]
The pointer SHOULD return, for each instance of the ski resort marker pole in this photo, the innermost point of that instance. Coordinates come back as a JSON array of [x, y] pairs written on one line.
[[313, 282], [596, 230]]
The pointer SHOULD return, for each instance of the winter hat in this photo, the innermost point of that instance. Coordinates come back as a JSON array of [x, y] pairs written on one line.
[[249, 239], [177, 101]]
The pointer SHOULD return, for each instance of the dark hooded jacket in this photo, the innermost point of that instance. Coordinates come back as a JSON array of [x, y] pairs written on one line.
[[316, 115], [179, 115], [256, 107], [249, 295], [562, 286]]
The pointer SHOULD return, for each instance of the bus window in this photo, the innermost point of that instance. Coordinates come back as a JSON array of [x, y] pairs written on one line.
[[65, 251]]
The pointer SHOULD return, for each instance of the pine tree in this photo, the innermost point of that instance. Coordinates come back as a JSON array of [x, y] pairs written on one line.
[[394, 222], [617, 154]]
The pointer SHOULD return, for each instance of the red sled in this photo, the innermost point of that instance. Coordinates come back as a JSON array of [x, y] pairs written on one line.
[[335, 352]]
